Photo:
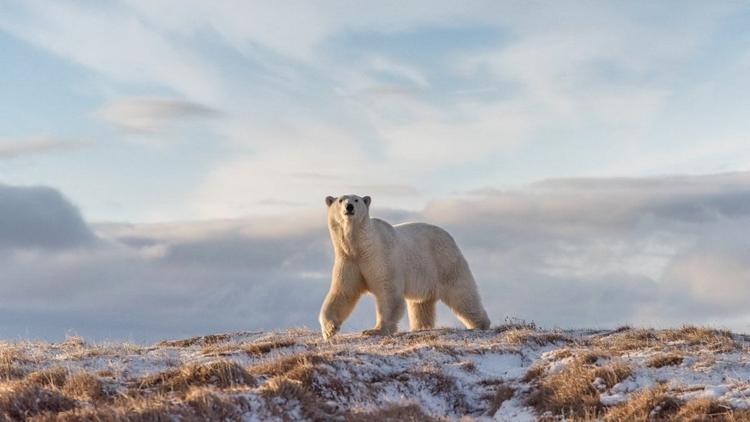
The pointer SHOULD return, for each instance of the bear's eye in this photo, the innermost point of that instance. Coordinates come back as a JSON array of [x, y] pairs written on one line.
[[341, 200], [356, 200]]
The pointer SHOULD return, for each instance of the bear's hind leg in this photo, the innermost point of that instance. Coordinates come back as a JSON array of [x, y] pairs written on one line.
[[389, 308], [468, 308], [421, 314]]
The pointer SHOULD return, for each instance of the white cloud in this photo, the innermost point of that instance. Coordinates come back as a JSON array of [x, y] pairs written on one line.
[[256, 183], [250, 26], [386, 190], [409, 73], [15, 148], [152, 114], [113, 42], [427, 138], [719, 279]]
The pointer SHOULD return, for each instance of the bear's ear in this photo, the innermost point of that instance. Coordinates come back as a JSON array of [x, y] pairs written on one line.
[[367, 200], [329, 200]]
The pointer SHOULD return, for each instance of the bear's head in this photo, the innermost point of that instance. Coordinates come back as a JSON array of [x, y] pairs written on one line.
[[348, 209]]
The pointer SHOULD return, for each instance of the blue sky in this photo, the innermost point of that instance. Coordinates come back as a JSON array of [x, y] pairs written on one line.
[[416, 101], [192, 125]]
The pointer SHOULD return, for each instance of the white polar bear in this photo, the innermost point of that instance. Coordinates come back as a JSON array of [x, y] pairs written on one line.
[[416, 262]]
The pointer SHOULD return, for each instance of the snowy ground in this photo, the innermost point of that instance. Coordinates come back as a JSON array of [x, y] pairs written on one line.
[[509, 373]]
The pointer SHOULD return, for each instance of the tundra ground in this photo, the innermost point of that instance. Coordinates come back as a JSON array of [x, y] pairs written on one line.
[[511, 372]]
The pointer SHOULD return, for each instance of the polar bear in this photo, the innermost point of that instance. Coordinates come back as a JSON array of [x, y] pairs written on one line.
[[414, 262]]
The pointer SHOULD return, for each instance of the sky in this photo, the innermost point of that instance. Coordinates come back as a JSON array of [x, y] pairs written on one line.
[[163, 163]]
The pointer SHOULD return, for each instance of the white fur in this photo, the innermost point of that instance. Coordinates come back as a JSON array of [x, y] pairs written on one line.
[[416, 263]]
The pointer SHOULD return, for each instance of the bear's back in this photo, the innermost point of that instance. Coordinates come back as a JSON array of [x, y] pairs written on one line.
[[417, 230], [433, 241]]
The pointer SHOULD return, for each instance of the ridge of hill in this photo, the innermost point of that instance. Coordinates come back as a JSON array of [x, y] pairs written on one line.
[[511, 372]]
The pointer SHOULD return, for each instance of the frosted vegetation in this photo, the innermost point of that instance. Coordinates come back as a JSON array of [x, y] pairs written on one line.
[[512, 372]]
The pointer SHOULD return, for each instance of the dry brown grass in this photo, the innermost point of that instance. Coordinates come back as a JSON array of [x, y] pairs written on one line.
[[20, 400], [412, 338], [308, 381], [627, 339], [687, 336], [221, 374], [84, 386], [264, 347], [159, 413], [571, 391], [77, 349], [342, 380], [534, 373], [539, 338], [664, 359], [209, 406], [198, 405], [515, 324], [706, 409], [282, 394], [538, 369], [654, 403], [290, 365], [310, 372], [711, 339], [438, 384], [468, 366], [199, 340], [10, 360], [51, 377], [252, 349], [156, 408], [502, 393], [411, 342], [73, 342], [658, 404], [436, 345], [106, 373], [393, 413]]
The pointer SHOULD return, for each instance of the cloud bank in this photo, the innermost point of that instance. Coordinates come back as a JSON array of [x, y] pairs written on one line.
[[152, 114], [16, 148], [563, 252], [40, 218]]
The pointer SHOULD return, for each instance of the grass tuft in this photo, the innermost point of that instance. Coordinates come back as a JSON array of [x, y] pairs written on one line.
[[539, 338], [290, 365], [84, 386], [20, 400], [393, 413], [51, 377], [687, 336], [705, 409], [573, 390], [221, 374], [501, 395], [196, 341], [282, 394], [11, 359], [665, 359], [654, 403], [252, 349]]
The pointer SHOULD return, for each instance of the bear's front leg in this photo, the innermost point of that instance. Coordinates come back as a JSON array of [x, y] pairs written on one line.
[[346, 288], [389, 309]]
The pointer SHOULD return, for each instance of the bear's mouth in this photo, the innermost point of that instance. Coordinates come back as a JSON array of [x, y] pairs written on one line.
[[349, 212]]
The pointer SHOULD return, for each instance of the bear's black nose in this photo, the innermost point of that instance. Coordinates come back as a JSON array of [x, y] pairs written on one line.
[[349, 207]]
